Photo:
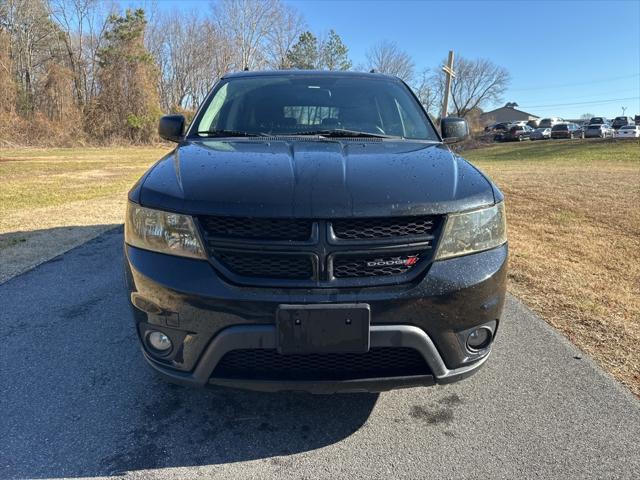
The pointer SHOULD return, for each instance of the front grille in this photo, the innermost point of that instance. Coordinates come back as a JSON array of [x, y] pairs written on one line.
[[345, 266], [267, 265], [256, 228], [268, 364], [380, 228], [320, 253]]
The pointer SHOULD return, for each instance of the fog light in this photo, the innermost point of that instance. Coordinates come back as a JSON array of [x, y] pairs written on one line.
[[159, 341], [479, 339]]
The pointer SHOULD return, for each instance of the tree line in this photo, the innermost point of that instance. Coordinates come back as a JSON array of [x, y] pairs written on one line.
[[82, 71]]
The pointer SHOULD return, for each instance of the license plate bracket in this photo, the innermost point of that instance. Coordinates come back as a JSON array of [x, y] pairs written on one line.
[[334, 328]]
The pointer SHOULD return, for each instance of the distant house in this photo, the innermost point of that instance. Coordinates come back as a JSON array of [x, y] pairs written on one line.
[[508, 113]]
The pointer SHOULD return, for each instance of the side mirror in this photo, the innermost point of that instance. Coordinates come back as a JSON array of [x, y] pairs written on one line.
[[171, 127], [454, 129]]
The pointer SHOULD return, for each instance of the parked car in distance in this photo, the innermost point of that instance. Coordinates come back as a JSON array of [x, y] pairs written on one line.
[[533, 123], [621, 122], [600, 130], [628, 131], [498, 127], [637, 119], [598, 121], [517, 133], [540, 134], [499, 130], [567, 130], [312, 231], [549, 122]]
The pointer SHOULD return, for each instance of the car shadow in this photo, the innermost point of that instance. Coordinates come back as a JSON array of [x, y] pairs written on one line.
[[186, 427], [78, 400], [22, 250]]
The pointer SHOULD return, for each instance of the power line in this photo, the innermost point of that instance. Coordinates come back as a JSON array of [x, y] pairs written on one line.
[[572, 84], [611, 100]]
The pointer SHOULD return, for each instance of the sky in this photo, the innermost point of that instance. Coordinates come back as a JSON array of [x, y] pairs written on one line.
[[566, 58]]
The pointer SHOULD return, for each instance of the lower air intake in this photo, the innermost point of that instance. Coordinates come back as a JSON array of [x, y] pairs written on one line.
[[268, 364]]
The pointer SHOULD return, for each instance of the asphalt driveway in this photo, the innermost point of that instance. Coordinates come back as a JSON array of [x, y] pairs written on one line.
[[77, 400]]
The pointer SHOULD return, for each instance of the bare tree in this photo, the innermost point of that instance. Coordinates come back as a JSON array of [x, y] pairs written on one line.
[[180, 58], [188, 68], [477, 83], [247, 25], [31, 37], [82, 24], [387, 57], [7, 86], [427, 92], [288, 25]]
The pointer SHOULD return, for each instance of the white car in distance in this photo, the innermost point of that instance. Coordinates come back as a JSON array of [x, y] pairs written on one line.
[[628, 131]]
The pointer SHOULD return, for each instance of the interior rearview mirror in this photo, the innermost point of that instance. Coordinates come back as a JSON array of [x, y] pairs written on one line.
[[454, 129], [171, 127]]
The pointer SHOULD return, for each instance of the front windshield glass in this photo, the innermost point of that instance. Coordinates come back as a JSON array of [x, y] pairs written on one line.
[[306, 105]]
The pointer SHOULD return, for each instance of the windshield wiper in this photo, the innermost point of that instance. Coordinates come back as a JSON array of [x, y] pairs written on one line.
[[341, 132], [229, 133]]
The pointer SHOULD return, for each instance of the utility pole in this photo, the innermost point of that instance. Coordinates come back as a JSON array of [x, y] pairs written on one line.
[[448, 70], [624, 109]]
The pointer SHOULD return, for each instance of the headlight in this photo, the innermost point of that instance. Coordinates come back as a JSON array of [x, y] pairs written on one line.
[[473, 232], [163, 232]]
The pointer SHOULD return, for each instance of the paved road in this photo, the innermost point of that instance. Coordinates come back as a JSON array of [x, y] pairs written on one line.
[[78, 401]]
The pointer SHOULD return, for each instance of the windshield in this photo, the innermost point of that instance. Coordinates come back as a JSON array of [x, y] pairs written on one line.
[[560, 127], [308, 104]]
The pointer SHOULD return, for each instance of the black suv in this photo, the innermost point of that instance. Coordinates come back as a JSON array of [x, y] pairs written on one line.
[[516, 133], [311, 231], [567, 130], [619, 122]]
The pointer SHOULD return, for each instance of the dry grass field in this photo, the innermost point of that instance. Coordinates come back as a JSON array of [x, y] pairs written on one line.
[[574, 231], [573, 210], [55, 199]]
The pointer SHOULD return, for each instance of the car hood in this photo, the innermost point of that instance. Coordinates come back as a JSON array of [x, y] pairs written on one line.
[[313, 179]]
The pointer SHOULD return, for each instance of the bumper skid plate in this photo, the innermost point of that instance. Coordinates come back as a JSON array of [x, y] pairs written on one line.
[[266, 336]]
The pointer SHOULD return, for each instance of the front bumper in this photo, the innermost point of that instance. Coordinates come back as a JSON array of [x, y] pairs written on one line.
[[264, 336], [206, 317]]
